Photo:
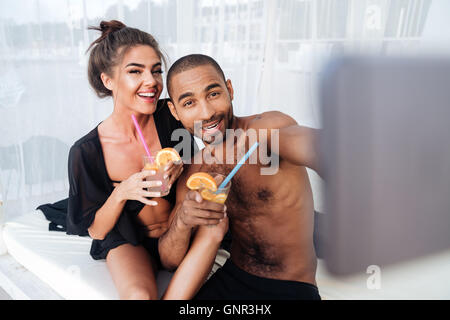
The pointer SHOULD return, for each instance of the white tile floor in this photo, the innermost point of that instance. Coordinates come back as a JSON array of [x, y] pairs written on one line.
[[4, 295]]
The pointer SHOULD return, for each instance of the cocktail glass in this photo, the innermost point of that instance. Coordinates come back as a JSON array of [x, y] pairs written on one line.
[[150, 164], [220, 195]]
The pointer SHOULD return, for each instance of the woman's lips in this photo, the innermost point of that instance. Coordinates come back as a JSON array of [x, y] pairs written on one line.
[[149, 97]]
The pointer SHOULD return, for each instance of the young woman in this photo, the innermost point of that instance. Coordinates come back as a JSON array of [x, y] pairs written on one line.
[[108, 199]]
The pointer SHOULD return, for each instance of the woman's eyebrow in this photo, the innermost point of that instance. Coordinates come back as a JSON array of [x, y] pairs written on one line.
[[134, 64]]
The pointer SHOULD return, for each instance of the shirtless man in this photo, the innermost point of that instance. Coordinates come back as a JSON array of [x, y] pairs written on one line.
[[270, 216]]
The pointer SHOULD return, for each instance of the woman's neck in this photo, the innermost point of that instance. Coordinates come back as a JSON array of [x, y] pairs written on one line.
[[123, 123]]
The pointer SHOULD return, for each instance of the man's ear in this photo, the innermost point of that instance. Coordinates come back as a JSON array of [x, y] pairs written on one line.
[[230, 88], [107, 81], [173, 111]]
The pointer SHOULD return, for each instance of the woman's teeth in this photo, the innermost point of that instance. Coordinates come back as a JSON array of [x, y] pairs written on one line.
[[147, 95]]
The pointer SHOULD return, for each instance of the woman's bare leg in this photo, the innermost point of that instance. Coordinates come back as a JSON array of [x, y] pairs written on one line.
[[197, 264], [133, 272]]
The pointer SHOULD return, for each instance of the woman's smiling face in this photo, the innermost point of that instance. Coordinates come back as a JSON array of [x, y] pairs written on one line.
[[137, 80]]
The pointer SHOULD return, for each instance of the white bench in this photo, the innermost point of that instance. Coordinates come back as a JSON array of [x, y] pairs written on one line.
[[59, 260], [53, 265]]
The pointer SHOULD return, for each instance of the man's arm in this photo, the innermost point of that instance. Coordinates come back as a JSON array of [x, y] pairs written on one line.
[[189, 212], [174, 243], [296, 144]]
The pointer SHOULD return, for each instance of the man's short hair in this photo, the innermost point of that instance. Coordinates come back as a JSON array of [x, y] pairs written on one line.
[[190, 62]]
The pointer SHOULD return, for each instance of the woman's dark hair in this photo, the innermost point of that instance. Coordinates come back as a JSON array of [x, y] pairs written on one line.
[[110, 47]]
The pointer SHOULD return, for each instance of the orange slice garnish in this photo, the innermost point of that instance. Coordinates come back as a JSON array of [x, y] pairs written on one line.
[[164, 156], [201, 179], [151, 166], [211, 196], [207, 194], [220, 198]]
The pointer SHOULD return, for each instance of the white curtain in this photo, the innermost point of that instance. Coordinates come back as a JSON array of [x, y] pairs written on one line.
[[271, 50]]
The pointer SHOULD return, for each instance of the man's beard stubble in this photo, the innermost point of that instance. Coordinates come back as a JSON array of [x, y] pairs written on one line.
[[218, 137]]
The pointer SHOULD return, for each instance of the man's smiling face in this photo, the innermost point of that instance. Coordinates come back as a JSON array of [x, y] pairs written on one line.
[[201, 95]]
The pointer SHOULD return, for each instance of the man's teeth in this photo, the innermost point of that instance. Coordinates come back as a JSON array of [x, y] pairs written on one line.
[[213, 126], [147, 94]]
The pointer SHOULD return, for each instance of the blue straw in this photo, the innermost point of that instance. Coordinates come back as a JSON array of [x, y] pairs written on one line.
[[240, 163]]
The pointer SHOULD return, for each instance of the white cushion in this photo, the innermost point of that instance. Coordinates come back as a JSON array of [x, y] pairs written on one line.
[[3, 249], [62, 261]]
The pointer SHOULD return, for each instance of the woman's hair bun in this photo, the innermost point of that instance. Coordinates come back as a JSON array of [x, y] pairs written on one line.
[[106, 27]]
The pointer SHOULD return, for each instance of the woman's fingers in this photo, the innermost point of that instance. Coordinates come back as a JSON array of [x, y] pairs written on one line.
[[172, 164], [150, 194], [171, 174], [146, 173], [151, 184], [174, 173], [169, 166], [135, 187], [148, 202]]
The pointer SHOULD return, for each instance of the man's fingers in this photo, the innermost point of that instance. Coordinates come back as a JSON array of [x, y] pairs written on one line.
[[208, 205], [205, 205], [206, 214], [194, 196], [212, 206], [204, 222]]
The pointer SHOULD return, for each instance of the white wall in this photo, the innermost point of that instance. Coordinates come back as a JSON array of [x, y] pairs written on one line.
[[436, 34]]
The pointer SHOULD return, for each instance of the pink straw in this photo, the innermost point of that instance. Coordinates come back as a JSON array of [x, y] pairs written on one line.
[[141, 136]]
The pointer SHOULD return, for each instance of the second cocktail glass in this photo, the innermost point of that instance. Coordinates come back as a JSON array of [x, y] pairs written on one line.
[[150, 164], [220, 195]]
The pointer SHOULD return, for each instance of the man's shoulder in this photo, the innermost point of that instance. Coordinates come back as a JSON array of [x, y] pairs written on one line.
[[269, 120]]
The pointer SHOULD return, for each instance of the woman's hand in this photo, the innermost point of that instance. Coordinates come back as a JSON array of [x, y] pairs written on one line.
[[173, 170], [133, 188]]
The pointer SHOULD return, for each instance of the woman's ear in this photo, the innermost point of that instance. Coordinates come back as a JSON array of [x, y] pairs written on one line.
[[107, 81], [173, 111], [230, 88]]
